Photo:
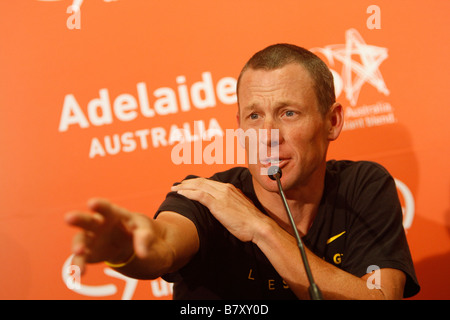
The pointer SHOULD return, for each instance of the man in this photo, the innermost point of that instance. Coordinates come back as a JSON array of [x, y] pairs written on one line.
[[228, 237]]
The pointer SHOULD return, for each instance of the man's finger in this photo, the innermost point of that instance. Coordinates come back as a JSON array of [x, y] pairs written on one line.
[[80, 261], [79, 251], [80, 244], [108, 209], [83, 220], [143, 235], [198, 184], [203, 197]]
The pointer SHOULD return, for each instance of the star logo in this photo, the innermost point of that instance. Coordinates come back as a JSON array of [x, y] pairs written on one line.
[[356, 72]]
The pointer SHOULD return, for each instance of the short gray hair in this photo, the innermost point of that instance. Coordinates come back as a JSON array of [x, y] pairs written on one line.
[[278, 55]]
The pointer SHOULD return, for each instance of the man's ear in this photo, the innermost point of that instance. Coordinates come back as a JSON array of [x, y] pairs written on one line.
[[335, 121], [238, 119]]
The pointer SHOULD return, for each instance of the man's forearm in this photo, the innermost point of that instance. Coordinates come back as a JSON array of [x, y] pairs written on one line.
[[157, 261], [151, 267], [282, 251]]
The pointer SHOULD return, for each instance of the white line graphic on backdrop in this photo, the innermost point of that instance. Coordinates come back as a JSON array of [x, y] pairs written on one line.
[[365, 71]]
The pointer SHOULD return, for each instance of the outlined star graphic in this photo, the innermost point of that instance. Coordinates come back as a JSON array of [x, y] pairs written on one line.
[[364, 71]]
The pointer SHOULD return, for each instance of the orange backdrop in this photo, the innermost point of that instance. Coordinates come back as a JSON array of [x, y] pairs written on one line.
[[92, 105]]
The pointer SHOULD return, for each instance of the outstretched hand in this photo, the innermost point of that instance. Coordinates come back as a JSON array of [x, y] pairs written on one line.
[[108, 233]]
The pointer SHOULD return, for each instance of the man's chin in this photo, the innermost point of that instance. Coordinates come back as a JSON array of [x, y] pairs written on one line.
[[263, 179]]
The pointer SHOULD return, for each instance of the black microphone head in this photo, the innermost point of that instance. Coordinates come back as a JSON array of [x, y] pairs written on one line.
[[274, 171]]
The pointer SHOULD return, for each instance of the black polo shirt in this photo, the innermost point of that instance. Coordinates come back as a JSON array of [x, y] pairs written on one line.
[[358, 227]]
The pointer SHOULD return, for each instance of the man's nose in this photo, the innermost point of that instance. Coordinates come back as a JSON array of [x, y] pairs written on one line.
[[269, 134]]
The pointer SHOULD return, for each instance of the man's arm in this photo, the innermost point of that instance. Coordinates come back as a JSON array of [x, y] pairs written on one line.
[[282, 251], [114, 234], [176, 243]]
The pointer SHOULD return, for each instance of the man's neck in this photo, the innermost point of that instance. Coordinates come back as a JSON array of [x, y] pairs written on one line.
[[303, 202]]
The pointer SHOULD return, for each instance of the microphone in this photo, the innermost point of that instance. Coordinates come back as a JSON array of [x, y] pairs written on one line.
[[274, 173]]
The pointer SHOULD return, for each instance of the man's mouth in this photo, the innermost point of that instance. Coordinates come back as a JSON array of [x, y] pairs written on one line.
[[273, 162]]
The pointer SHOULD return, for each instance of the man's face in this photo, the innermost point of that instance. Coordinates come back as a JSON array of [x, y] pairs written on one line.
[[285, 99]]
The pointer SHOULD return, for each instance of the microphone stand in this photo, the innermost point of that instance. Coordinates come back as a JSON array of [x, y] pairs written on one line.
[[314, 291]]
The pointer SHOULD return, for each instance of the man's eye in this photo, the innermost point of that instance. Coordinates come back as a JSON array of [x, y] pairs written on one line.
[[253, 116], [289, 113]]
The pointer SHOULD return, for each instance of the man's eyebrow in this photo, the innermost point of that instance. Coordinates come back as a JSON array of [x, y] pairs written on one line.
[[281, 104], [250, 107], [286, 103]]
